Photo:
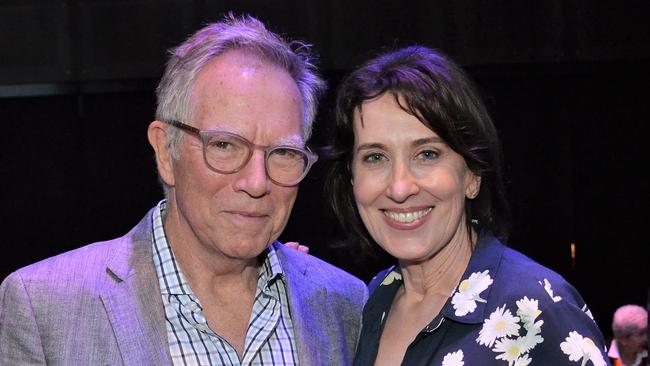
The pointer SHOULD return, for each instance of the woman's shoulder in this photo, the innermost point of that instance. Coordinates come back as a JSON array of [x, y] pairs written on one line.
[[520, 275], [546, 316], [384, 277], [513, 275]]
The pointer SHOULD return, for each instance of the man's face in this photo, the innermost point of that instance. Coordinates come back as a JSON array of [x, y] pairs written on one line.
[[235, 215], [637, 341]]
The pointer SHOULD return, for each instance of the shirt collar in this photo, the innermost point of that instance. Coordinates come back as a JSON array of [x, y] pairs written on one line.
[[171, 279], [271, 267], [469, 301]]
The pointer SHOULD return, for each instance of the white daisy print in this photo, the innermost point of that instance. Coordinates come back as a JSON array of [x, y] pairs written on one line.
[[463, 304], [392, 276], [453, 359], [509, 349], [572, 346], [522, 361], [476, 283], [502, 329], [532, 337], [501, 323], [549, 290], [582, 349], [528, 310], [465, 298], [588, 312]]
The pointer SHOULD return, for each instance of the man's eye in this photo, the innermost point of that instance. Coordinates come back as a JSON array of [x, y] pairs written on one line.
[[286, 155], [220, 144], [286, 152]]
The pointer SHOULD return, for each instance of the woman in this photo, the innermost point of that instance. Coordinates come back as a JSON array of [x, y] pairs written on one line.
[[418, 170]]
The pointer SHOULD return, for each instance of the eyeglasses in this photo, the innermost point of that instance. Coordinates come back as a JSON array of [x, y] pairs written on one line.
[[227, 153]]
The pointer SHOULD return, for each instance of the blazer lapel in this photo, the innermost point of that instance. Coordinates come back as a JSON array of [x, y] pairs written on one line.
[[310, 314], [133, 301]]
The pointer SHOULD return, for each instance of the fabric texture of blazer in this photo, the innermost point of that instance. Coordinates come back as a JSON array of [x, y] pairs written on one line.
[[101, 305]]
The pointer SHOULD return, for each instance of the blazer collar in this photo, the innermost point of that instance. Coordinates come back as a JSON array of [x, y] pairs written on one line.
[[133, 300]]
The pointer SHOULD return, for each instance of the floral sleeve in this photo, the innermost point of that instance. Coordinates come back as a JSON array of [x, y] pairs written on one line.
[[543, 323], [569, 332]]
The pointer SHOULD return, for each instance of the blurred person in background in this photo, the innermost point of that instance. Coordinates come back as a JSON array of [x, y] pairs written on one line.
[[630, 328]]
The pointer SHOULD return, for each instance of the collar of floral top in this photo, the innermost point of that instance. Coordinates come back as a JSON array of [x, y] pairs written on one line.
[[468, 301]]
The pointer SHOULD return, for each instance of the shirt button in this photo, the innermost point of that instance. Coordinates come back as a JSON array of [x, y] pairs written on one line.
[[200, 327], [192, 306]]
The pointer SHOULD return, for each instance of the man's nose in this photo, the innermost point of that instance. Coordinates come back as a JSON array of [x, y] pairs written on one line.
[[252, 178]]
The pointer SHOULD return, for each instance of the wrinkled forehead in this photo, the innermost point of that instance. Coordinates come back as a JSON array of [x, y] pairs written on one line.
[[235, 70], [239, 94]]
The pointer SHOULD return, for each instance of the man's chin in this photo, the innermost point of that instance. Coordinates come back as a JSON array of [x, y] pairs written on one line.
[[246, 252]]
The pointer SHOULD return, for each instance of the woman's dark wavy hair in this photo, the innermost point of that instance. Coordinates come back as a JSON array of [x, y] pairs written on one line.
[[431, 87]]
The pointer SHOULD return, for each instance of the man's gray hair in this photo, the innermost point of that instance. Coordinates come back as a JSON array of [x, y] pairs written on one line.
[[174, 92], [629, 319]]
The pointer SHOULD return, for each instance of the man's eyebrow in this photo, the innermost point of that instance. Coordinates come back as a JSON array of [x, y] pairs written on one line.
[[295, 140]]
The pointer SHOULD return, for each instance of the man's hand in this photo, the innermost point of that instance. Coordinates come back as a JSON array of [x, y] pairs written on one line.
[[297, 246]]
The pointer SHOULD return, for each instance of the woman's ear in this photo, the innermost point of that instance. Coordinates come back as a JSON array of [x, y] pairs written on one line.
[[473, 186], [157, 135]]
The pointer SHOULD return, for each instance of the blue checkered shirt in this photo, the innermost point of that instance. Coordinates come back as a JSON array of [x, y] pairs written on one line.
[[269, 339]]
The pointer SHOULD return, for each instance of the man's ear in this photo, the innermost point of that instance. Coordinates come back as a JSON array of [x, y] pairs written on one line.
[[157, 135]]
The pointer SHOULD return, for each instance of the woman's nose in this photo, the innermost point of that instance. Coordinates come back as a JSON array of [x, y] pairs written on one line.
[[402, 183]]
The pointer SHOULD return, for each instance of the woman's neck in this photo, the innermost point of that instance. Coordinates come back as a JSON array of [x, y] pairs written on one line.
[[439, 274]]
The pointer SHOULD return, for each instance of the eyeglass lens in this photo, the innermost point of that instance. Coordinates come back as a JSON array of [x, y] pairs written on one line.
[[228, 153]]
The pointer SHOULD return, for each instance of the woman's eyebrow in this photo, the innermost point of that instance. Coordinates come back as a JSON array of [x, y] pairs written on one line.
[[371, 145], [427, 140]]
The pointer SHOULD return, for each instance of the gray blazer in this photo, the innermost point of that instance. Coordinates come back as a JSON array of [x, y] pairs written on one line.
[[101, 305]]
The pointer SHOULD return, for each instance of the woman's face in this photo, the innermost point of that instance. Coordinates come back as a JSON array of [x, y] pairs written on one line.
[[409, 186]]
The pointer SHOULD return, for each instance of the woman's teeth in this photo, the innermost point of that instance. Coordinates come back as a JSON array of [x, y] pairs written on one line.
[[407, 217]]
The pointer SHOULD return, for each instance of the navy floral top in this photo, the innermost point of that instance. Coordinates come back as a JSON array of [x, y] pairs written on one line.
[[506, 310]]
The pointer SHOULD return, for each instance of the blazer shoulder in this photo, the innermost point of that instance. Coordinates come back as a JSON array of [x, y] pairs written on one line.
[[317, 270], [79, 270], [93, 259], [73, 261]]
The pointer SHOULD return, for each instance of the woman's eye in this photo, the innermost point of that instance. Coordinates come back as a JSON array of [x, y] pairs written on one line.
[[373, 158], [427, 155]]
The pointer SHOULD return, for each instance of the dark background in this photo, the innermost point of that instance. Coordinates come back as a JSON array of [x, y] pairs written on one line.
[[566, 82]]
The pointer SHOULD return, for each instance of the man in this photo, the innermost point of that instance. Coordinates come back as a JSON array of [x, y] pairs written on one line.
[[201, 280], [630, 328]]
